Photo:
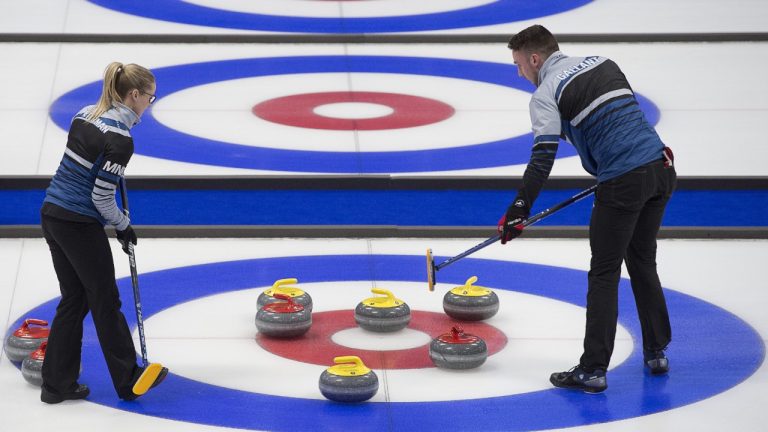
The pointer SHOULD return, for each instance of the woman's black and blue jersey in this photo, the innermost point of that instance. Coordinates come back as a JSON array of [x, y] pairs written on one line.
[[98, 150]]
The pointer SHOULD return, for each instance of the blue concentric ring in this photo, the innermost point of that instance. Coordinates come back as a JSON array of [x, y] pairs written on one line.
[[700, 344], [495, 12], [154, 139]]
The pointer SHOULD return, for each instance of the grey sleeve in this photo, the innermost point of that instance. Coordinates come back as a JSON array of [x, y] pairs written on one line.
[[545, 121], [103, 197], [545, 118], [116, 156]]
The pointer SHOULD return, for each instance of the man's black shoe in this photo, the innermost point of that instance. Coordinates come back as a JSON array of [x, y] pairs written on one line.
[[577, 378], [49, 397], [656, 362]]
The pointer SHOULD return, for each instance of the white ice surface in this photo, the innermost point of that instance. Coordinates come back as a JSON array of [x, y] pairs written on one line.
[[728, 273]]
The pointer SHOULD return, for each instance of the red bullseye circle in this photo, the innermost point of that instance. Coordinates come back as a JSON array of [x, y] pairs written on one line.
[[298, 111], [316, 346]]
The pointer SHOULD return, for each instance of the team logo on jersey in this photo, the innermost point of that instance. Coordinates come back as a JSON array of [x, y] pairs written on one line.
[[589, 61], [103, 127], [114, 168]]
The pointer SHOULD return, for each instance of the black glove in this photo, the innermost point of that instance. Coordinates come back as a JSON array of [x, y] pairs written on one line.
[[125, 236], [511, 224]]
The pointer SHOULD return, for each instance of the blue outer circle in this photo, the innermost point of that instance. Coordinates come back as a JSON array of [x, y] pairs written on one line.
[[706, 337], [496, 12], [154, 139]]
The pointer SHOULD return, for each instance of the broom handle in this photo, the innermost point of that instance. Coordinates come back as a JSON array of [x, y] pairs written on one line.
[[134, 279], [530, 221]]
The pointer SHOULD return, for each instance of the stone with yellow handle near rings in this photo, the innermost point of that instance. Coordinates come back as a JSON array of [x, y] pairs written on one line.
[[348, 381], [470, 302], [282, 286], [382, 314]]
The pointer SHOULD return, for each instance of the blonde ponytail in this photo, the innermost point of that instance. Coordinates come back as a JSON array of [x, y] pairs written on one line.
[[120, 79]]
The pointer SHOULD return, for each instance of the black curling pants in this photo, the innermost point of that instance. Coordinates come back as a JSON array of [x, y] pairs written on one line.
[[83, 263], [625, 221]]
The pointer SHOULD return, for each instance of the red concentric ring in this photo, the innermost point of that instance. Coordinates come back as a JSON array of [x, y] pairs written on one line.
[[317, 347], [298, 111]]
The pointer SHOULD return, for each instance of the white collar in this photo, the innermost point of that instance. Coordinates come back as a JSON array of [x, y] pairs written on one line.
[[125, 115]]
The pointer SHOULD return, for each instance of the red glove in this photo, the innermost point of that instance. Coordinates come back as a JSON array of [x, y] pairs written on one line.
[[510, 225], [669, 157]]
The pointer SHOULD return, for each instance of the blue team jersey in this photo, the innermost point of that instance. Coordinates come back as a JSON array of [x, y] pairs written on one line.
[[588, 101], [94, 161]]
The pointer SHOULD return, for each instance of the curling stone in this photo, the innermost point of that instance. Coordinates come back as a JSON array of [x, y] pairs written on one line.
[[32, 366], [24, 340], [348, 381], [279, 286], [470, 303], [283, 319], [382, 314], [458, 350]]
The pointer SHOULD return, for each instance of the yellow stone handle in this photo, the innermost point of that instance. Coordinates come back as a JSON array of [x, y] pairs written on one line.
[[349, 359], [348, 366], [472, 288], [383, 292], [289, 281]]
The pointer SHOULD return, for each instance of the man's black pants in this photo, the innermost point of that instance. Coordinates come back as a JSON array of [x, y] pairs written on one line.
[[83, 263], [625, 221]]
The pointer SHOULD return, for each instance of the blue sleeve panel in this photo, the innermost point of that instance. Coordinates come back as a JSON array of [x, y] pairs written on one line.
[[376, 207]]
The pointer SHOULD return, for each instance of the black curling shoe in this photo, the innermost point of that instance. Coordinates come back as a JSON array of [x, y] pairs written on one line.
[[577, 378], [49, 397], [656, 362]]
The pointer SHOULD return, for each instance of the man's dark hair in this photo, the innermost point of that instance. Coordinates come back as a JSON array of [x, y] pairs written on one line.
[[535, 38]]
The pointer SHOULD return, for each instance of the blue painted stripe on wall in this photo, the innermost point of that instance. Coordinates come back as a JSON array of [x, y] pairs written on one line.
[[369, 207]]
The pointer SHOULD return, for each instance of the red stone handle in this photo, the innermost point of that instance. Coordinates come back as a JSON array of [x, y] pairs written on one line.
[[30, 321], [285, 297]]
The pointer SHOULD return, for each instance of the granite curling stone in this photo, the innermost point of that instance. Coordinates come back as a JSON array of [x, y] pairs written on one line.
[[283, 319], [382, 314], [348, 381], [280, 286], [22, 342], [458, 350], [470, 303], [32, 366]]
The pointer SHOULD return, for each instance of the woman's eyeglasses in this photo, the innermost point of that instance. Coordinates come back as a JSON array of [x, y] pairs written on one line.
[[151, 97]]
